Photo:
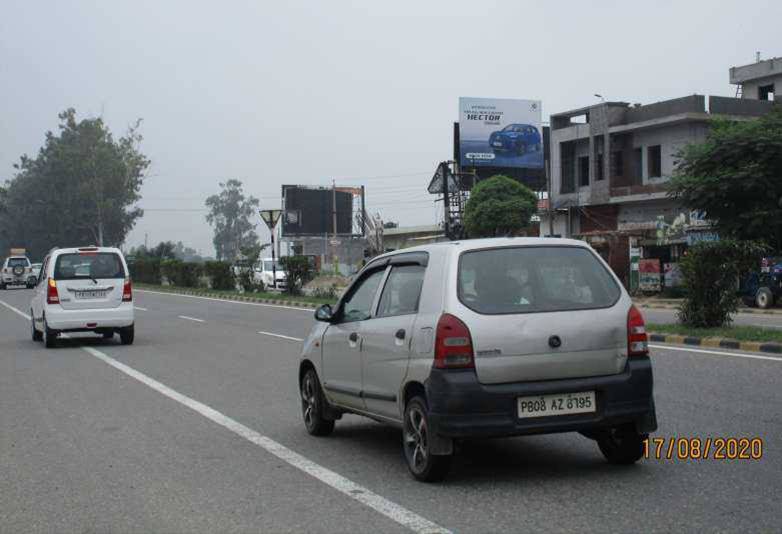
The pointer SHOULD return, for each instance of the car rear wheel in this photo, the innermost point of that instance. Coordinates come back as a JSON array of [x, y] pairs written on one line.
[[313, 405], [423, 465], [622, 445], [37, 336], [764, 298], [49, 336], [2, 286], [127, 335]]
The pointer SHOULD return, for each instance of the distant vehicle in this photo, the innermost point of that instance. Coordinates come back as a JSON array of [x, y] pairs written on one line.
[[36, 270], [264, 273], [763, 289], [17, 271], [85, 289], [516, 139], [483, 338]]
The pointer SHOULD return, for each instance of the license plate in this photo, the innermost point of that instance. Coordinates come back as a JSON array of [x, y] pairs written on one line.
[[90, 294], [559, 404]]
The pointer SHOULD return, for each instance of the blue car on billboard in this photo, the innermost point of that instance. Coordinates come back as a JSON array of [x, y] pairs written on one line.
[[516, 139]]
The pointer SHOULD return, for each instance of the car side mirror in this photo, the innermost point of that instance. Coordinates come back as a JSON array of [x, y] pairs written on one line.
[[324, 313]]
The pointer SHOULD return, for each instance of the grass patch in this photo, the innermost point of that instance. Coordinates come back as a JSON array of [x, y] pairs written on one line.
[[266, 295], [737, 332]]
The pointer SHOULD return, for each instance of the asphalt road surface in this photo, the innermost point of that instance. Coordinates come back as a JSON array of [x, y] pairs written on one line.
[[660, 316], [196, 428]]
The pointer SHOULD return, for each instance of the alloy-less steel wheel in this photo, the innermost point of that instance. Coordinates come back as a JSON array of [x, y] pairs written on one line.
[[622, 445], [127, 334], [313, 405], [49, 336], [423, 465], [37, 336], [764, 298]]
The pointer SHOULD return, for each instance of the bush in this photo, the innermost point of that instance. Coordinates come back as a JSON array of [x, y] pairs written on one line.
[[220, 275], [298, 271], [710, 272], [145, 270], [180, 273]]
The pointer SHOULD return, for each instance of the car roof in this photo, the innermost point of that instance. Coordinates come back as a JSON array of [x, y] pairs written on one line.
[[76, 250], [493, 242]]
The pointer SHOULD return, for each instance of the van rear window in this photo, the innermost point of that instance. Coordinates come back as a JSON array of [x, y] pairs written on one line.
[[90, 265], [534, 279], [18, 262]]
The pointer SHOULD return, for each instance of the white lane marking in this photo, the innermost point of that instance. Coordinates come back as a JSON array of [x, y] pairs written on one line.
[[365, 496], [717, 353], [140, 308], [191, 318], [224, 300], [15, 310], [280, 335]]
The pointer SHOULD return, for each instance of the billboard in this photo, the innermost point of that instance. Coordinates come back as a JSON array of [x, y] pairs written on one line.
[[309, 211], [500, 132]]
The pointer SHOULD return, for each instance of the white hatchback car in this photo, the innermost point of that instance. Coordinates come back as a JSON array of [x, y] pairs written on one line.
[[84, 289]]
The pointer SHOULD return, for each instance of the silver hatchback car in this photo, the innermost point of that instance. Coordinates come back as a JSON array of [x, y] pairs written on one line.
[[483, 338]]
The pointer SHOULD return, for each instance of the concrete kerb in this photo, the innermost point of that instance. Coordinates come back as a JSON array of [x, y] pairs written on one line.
[[741, 310], [716, 342], [239, 298]]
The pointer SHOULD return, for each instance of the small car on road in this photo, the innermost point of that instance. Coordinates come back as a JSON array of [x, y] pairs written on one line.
[[483, 338], [16, 271], [85, 289]]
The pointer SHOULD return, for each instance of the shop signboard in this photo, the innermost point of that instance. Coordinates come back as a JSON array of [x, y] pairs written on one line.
[[672, 274], [649, 274]]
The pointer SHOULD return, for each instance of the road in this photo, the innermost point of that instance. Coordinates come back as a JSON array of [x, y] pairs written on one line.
[[196, 428], [661, 316]]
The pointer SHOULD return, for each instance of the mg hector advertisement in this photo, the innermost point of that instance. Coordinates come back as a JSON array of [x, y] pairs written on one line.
[[500, 132]]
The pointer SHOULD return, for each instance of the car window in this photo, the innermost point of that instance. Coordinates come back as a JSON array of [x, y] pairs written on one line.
[[44, 265], [402, 291], [18, 262], [88, 265], [534, 279], [358, 306], [508, 128]]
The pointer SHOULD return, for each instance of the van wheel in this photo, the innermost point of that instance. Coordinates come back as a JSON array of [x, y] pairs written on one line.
[[127, 334], [622, 445], [37, 336], [423, 465], [764, 298], [49, 336], [313, 405]]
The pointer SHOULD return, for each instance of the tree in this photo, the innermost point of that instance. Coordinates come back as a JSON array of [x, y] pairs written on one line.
[[710, 271], [81, 188], [298, 271], [499, 206], [735, 178], [230, 213]]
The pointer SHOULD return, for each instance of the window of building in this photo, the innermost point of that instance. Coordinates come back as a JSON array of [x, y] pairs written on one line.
[[638, 159], [568, 168], [655, 163], [766, 92], [583, 171], [617, 164]]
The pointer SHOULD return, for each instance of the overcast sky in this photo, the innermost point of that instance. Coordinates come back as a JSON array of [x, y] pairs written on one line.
[[303, 92]]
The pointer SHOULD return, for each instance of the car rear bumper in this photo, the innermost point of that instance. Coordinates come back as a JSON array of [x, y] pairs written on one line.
[[16, 280], [462, 407], [84, 320]]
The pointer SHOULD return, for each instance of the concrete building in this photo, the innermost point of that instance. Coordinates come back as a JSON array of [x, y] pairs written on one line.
[[411, 236], [610, 163]]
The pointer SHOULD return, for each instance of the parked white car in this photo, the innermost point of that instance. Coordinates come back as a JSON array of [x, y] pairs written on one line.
[[264, 273], [16, 271], [84, 289]]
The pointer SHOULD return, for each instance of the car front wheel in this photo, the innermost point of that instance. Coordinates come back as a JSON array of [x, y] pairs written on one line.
[[764, 298], [313, 405], [622, 445], [423, 465]]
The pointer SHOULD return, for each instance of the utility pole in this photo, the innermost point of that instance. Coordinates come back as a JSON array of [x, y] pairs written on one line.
[[334, 224], [550, 206]]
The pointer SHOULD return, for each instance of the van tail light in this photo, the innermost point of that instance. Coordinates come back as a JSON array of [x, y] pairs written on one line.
[[453, 344], [637, 340], [127, 291], [52, 297]]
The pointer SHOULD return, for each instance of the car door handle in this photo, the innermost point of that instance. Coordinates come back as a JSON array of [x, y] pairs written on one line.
[[400, 334], [353, 337]]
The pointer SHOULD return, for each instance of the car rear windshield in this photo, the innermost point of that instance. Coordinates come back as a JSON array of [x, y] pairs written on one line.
[[534, 279], [88, 265], [18, 262]]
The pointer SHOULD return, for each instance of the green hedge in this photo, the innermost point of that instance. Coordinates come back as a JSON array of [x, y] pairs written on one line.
[[220, 274], [215, 274], [145, 270]]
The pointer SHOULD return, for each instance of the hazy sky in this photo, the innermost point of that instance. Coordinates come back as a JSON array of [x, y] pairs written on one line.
[[303, 92]]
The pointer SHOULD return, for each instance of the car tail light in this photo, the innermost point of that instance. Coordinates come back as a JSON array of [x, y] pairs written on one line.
[[637, 340], [127, 291], [52, 297], [453, 344]]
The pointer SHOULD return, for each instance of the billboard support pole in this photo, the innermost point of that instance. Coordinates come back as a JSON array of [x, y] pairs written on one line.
[[446, 201], [550, 207], [334, 222], [363, 213]]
